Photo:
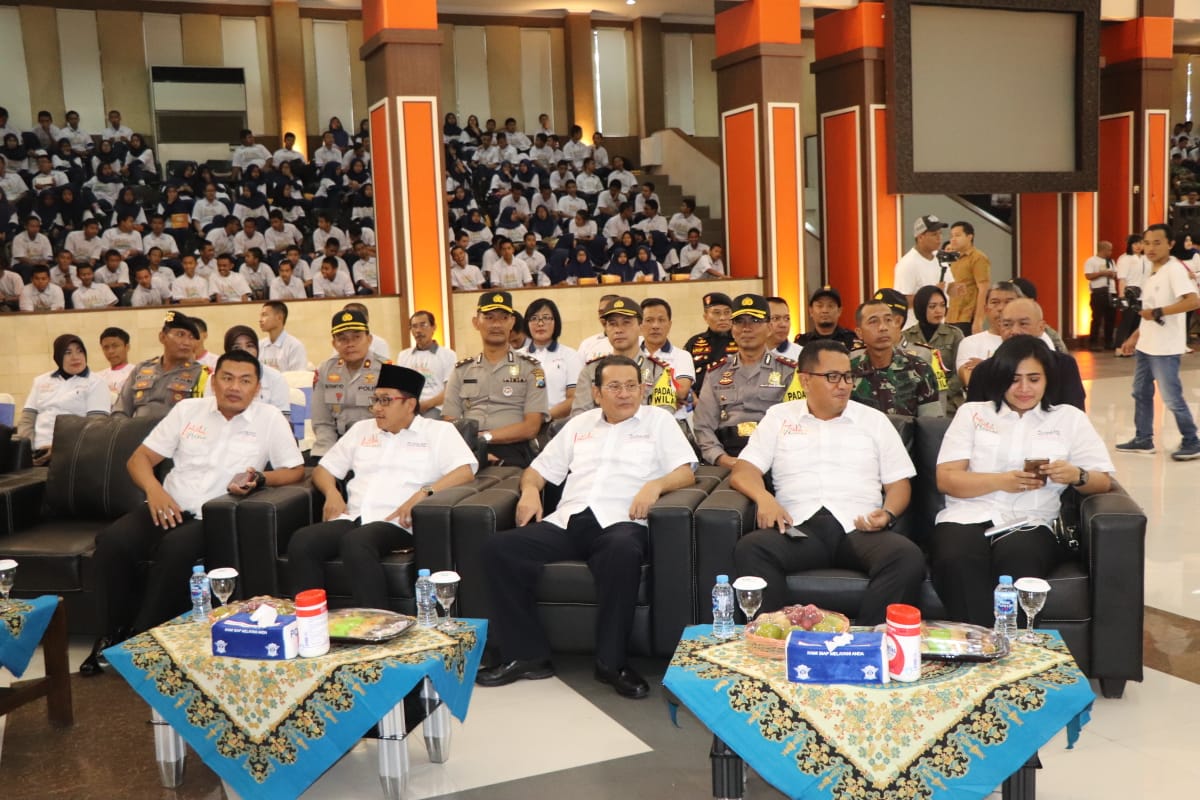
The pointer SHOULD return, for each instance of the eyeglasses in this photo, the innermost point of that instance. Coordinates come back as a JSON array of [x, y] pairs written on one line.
[[386, 400], [621, 388], [834, 377], [543, 318]]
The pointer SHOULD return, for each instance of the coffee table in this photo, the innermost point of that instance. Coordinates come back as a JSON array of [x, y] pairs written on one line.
[[959, 732], [23, 625], [269, 729]]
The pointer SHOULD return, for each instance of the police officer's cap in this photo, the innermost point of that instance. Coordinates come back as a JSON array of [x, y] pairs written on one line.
[[349, 320], [495, 301], [717, 299], [402, 379], [752, 305], [826, 291], [896, 301], [621, 306], [176, 321]]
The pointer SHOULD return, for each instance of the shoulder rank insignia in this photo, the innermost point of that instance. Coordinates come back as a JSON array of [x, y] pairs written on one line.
[[719, 363]]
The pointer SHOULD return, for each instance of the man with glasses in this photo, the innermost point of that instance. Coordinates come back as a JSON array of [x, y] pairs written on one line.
[[157, 384], [501, 390], [220, 444], [345, 383], [841, 477], [714, 343], [778, 341], [887, 378], [398, 458], [741, 386], [617, 460], [432, 360], [622, 319]]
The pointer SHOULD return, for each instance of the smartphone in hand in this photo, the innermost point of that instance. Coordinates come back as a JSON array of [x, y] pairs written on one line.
[[1034, 465]]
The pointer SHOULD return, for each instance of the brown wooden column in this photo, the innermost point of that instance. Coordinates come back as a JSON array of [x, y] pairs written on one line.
[[648, 57], [581, 93], [288, 55]]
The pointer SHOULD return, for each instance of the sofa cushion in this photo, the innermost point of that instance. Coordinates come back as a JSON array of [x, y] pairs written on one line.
[[399, 570], [51, 555], [571, 582], [88, 478]]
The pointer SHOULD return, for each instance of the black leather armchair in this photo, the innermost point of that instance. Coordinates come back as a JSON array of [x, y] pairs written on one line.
[[1096, 602], [566, 592]]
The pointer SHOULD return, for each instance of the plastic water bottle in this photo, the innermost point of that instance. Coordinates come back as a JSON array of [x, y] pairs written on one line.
[[1005, 605], [722, 597], [426, 602], [201, 594]]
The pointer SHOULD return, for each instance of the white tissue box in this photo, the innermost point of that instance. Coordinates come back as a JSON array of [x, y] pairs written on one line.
[[238, 636]]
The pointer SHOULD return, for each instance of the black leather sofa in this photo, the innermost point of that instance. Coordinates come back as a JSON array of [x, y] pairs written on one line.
[[1096, 602]]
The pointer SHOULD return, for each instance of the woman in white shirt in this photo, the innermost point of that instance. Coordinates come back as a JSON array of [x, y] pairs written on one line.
[[1132, 269], [273, 387], [985, 472], [71, 389], [560, 363]]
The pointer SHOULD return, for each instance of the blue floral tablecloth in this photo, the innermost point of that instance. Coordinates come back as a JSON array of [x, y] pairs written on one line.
[[271, 728], [22, 625], [958, 733]]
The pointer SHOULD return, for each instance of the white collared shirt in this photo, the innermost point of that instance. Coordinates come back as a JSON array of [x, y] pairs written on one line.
[[606, 465], [999, 441], [49, 299], [286, 353], [841, 463], [287, 291], [97, 295], [273, 390], [983, 344], [1162, 288], [194, 288], [390, 467], [209, 450], [562, 366], [913, 271], [52, 394], [435, 364], [115, 377]]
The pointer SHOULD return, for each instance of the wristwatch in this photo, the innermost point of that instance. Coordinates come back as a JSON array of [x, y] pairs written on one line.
[[427, 490], [1083, 477], [891, 519], [1157, 314], [486, 436]]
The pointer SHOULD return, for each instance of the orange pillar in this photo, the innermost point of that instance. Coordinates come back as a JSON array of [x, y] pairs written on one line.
[[758, 63], [402, 51], [860, 221]]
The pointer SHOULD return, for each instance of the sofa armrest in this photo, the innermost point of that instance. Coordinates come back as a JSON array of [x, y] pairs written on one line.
[[722, 519], [1112, 536], [474, 520], [21, 495], [20, 455], [221, 538], [672, 561], [431, 527], [266, 521]]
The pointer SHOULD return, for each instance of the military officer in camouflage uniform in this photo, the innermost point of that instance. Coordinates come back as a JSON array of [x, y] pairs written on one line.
[[742, 386], [946, 379], [622, 317], [888, 378], [159, 383], [714, 343], [500, 389], [344, 384]]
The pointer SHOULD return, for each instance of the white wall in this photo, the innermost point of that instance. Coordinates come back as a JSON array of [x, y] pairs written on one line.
[[470, 73], [163, 34], [239, 40], [678, 87], [611, 55], [537, 85], [12, 67], [334, 95], [79, 52]]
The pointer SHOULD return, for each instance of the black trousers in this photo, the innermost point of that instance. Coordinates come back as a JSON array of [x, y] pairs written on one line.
[[894, 563], [967, 566], [1103, 317], [121, 547], [515, 559], [361, 549]]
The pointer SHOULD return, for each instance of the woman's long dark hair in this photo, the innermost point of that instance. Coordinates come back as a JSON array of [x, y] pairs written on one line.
[[1005, 361], [1130, 241]]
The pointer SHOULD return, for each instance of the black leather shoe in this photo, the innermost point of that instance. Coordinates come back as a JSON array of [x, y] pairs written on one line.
[[512, 671], [627, 682], [95, 662]]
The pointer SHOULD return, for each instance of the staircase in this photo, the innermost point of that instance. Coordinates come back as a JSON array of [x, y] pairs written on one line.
[[670, 196]]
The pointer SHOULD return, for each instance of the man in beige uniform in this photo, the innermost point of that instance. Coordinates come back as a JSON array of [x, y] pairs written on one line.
[[501, 390], [344, 384], [621, 318], [157, 384], [972, 278]]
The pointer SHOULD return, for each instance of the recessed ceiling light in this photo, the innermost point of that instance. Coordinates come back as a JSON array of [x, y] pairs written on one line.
[[631, 2]]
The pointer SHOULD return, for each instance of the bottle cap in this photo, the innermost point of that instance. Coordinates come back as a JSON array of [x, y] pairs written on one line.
[[1006, 579], [901, 614], [422, 573], [198, 569], [310, 602], [722, 579]]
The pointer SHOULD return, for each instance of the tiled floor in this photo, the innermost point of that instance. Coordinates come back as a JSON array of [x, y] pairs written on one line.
[[572, 738]]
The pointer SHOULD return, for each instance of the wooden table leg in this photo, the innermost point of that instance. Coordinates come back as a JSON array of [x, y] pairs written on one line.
[[1022, 784], [58, 669], [728, 776]]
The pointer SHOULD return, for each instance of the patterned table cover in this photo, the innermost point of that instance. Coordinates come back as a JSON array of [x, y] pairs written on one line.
[[271, 728], [957, 733], [22, 625]]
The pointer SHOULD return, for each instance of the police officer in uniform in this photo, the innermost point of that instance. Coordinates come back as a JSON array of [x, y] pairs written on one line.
[[888, 378], [714, 343], [741, 386], [159, 383], [622, 317], [926, 352], [345, 383], [500, 389]]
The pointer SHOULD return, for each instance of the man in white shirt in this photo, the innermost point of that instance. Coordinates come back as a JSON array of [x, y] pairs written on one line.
[[515, 137], [158, 237], [656, 342], [228, 285], [114, 343], [279, 349], [332, 282], [570, 203], [91, 293], [256, 272], [507, 272], [1102, 281], [575, 150], [691, 252], [31, 247], [541, 153], [515, 200], [599, 151], [218, 445], [530, 256], [1161, 338], [366, 269], [6, 128], [222, 238], [287, 285], [979, 346], [115, 132], [86, 246], [617, 460], [779, 340], [63, 273], [615, 226], [46, 132], [433, 361], [281, 235], [11, 286], [249, 154], [40, 294], [191, 288], [288, 152], [561, 176], [11, 183], [841, 477], [208, 211], [464, 276], [81, 140], [919, 266], [124, 238], [327, 230], [588, 182], [619, 173], [114, 274], [149, 289], [487, 155], [398, 459], [327, 152], [684, 221], [651, 224], [504, 149], [248, 237], [646, 193]]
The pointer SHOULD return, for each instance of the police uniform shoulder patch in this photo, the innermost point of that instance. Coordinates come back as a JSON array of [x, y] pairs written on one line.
[[659, 362], [717, 364], [786, 362], [464, 362], [529, 358], [594, 359], [920, 345]]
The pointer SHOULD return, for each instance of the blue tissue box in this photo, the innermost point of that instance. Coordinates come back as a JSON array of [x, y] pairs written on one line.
[[238, 636], [815, 657]]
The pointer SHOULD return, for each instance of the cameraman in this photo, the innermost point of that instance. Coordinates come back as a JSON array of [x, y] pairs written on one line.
[[1168, 293]]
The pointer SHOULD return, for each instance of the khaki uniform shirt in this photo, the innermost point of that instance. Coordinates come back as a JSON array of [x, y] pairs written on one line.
[[735, 397], [967, 271], [341, 397], [152, 391], [496, 395], [651, 369]]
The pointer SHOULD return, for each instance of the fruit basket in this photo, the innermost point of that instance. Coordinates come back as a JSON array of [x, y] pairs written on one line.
[[766, 635]]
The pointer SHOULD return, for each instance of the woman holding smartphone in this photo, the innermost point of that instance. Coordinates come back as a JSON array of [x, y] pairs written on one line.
[[1004, 462]]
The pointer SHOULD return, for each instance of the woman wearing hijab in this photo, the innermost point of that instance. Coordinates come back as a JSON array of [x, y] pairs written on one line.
[[929, 307], [252, 204], [15, 153], [508, 225], [580, 265], [341, 137], [71, 389], [501, 181], [546, 228], [450, 128], [479, 236], [177, 215], [618, 264], [356, 177], [181, 179], [458, 176], [139, 160], [73, 209], [461, 204], [105, 154], [106, 187], [362, 205], [127, 203], [45, 208], [68, 162], [644, 266], [527, 178], [561, 364], [331, 186], [9, 226], [288, 191]]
